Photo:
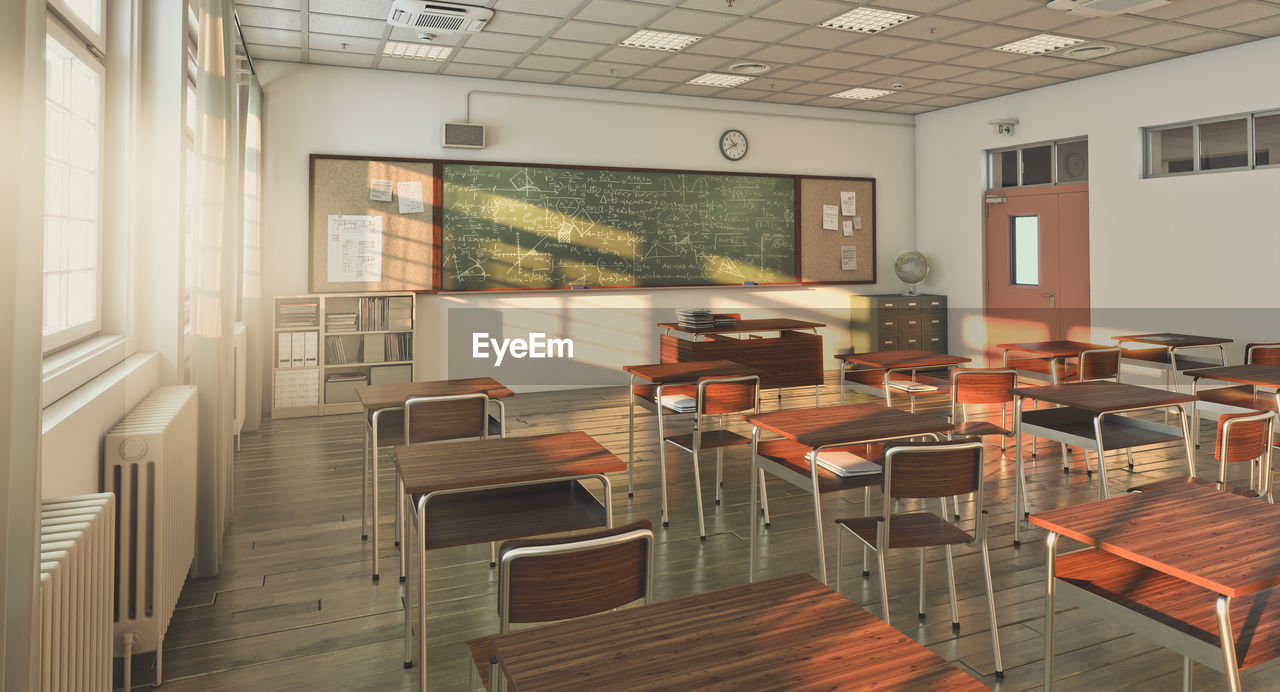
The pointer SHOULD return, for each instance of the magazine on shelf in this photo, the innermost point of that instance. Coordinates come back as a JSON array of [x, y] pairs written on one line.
[[845, 464]]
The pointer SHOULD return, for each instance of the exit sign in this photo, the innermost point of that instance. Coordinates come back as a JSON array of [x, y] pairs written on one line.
[[1004, 129]]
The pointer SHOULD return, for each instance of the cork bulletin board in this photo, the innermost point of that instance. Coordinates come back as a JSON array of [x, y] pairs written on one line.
[[824, 251], [372, 224]]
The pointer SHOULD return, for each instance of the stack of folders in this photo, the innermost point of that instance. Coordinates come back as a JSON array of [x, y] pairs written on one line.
[[335, 351], [340, 322], [845, 464], [301, 314], [680, 403], [695, 318], [346, 377], [400, 313], [912, 386], [725, 320]]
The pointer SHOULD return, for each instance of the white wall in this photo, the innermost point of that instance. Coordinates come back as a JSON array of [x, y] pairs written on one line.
[[1169, 254], [331, 110]]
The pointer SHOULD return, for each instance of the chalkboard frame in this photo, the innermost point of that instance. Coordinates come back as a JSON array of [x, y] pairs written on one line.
[[440, 230]]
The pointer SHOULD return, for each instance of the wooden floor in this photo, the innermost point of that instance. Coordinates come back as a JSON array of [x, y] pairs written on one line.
[[294, 606]]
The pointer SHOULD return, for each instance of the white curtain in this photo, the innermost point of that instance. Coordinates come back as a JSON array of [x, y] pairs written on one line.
[[213, 288], [251, 260]]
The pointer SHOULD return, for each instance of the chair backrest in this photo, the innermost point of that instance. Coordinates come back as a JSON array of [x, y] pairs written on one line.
[[451, 417], [932, 469], [546, 579], [1099, 364], [983, 385], [1243, 436], [729, 394], [1262, 354]]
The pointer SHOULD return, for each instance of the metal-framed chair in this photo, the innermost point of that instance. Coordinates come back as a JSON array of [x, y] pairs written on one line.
[[714, 396], [1094, 365], [547, 579], [1246, 437], [923, 471]]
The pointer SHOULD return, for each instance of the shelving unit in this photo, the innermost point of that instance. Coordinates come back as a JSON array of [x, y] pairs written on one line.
[[326, 345]]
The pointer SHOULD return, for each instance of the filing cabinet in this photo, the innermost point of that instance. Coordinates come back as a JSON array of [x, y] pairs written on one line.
[[894, 322]]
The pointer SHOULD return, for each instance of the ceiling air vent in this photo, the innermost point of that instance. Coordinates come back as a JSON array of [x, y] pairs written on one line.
[[437, 16], [1105, 8]]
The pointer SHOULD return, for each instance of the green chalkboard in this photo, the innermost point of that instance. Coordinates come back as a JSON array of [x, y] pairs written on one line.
[[528, 227]]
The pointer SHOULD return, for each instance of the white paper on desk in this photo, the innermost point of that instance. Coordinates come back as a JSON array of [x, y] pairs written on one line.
[[380, 190], [355, 248], [830, 217], [849, 257], [410, 194], [849, 203], [847, 226], [857, 223]]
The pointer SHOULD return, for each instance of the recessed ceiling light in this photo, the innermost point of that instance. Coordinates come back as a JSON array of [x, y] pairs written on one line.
[[416, 51], [717, 79], [1040, 44], [861, 93], [868, 20], [659, 40], [1088, 52], [750, 68]]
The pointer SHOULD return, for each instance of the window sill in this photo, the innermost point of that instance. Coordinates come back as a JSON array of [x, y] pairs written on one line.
[[65, 370]]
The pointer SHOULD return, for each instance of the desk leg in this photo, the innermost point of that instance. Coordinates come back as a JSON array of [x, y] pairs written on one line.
[[756, 472], [608, 501], [1228, 641], [401, 522], [817, 516], [631, 431], [502, 417], [1188, 441], [1051, 559], [1103, 492], [364, 486], [816, 401], [373, 486], [1018, 499], [422, 593], [662, 456], [408, 596], [840, 381]]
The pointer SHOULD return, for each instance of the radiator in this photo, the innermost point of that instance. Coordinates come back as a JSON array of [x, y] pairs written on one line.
[[77, 539], [149, 462]]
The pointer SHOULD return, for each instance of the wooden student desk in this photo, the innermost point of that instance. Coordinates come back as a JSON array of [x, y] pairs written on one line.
[[1050, 361], [477, 491], [817, 429], [789, 633], [383, 406], [1258, 390], [1185, 565], [1166, 356], [1088, 418], [791, 358], [883, 367]]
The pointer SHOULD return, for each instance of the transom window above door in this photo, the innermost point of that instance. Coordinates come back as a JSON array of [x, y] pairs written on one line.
[[1041, 163]]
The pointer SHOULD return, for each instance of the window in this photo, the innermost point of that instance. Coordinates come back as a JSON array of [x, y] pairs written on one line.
[[1025, 244], [73, 188], [1041, 163], [1236, 143]]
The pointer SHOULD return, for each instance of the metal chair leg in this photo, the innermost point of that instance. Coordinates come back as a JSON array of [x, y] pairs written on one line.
[[764, 499], [697, 493], [884, 582], [991, 603], [839, 559], [364, 489], [920, 610], [493, 554], [662, 465], [1186, 668], [631, 432], [866, 512], [404, 539], [951, 588]]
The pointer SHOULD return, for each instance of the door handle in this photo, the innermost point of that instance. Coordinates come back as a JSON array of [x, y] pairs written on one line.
[[1052, 298]]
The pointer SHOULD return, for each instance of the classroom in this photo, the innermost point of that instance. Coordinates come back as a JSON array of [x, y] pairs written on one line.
[[639, 344]]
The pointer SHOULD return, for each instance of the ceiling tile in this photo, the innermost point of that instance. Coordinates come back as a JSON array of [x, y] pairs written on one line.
[[693, 90], [769, 83], [271, 18], [476, 56], [934, 52], [345, 26], [943, 87], [635, 56], [914, 6], [945, 101], [667, 74], [883, 45], [828, 102], [1262, 27], [509, 42], [784, 54], [928, 28], [985, 58], [618, 12], [272, 37], [1235, 13], [985, 92], [343, 44], [739, 7], [892, 66], [402, 65], [523, 24], [643, 85], [839, 61], [989, 36], [1209, 40], [851, 78], [1106, 26], [1181, 8], [258, 52], [1042, 19], [724, 47], [787, 97], [551, 8], [819, 37], [569, 49], [817, 89], [1034, 63], [690, 61], [458, 69], [1136, 56], [1031, 81], [369, 9], [610, 69], [741, 94], [989, 10], [538, 76], [1080, 70], [324, 57], [551, 63], [759, 30], [803, 11], [589, 80], [911, 108], [411, 36], [903, 97], [884, 82], [985, 77], [1157, 33], [591, 32], [278, 4], [690, 22], [938, 71], [802, 73]]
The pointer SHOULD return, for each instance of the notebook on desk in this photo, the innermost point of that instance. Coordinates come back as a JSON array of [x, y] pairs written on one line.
[[845, 464], [912, 386], [680, 403]]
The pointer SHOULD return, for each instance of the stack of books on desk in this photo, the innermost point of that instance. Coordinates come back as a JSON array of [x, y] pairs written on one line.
[[724, 320], [845, 464], [695, 318]]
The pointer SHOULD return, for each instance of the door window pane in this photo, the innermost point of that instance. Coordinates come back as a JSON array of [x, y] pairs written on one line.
[[1073, 161], [1266, 140], [1170, 151], [1026, 251], [1037, 165], [1224, 144]]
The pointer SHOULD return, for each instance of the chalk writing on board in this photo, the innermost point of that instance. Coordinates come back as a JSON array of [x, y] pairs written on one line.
[[530, 227]]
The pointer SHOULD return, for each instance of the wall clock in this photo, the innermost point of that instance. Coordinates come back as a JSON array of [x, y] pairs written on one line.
[[733, 145]]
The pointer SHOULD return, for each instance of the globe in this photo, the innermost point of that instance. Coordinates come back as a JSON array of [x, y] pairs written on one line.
[[911, 268]]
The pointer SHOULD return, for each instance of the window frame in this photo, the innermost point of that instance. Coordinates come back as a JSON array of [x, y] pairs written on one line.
[[1253, 139], [76, 45], [1251, 122], [72, 21], [992, 183]]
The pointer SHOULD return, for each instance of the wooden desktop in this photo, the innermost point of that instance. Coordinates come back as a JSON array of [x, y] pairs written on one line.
[[792, 358]]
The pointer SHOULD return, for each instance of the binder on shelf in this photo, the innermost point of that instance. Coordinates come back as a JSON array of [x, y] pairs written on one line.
[[391, 374], [284, 350], [312, 353], [373, 348], [299, 354]]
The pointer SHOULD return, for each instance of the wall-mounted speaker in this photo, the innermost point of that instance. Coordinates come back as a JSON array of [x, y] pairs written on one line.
[[463, 136]]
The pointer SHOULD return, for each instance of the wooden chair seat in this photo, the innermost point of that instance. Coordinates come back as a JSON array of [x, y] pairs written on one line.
[[908, 530], [874, 377], [482, 656], [978, 428], [1242, 396], [792, 456], [1176, 603], [1044, 366], [711, 439]]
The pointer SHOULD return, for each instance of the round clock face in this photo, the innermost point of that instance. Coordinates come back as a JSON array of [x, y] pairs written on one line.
[[1075, 164], [733, 145]]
